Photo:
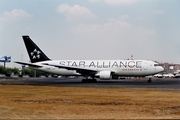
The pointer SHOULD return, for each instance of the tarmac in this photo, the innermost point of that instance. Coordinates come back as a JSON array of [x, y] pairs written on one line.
[[166, 84]]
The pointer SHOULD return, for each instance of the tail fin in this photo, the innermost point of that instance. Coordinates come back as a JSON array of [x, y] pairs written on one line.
[[34, 52]]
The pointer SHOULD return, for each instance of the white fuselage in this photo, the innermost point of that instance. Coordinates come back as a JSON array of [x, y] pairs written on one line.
[[118, 67]]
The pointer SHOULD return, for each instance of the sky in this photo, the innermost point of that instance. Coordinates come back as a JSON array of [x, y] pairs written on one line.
[[92, 29]]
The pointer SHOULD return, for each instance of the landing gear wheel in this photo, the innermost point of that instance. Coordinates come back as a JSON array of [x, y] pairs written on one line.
[[150, 80], [94, 80], [84, 80], [89, 80]]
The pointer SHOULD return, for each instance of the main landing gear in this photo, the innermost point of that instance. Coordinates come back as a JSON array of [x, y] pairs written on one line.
[[89, 80], [150, 80]]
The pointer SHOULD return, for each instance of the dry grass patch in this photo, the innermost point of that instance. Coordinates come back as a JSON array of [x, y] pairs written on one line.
[[74, 102]]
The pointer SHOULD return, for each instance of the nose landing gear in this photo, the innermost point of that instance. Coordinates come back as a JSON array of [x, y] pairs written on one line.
[[150, 80]]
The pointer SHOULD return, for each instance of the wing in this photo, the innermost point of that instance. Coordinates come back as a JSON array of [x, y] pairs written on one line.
[[29, 64], [81, 70]]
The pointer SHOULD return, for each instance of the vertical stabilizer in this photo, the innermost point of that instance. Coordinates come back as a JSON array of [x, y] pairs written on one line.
[[34, 52]]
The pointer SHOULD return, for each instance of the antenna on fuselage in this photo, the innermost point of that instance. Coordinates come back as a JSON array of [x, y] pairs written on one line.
[[131, 57]]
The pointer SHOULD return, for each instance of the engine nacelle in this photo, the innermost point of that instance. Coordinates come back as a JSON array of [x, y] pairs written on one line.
[[105, 75]]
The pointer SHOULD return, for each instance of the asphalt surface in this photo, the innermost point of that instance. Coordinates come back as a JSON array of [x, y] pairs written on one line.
[[167, 84]]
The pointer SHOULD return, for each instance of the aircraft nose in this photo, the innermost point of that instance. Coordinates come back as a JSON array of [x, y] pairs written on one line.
[[160, 69]]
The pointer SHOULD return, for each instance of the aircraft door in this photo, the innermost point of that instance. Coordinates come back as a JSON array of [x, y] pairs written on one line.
[[145, 67]]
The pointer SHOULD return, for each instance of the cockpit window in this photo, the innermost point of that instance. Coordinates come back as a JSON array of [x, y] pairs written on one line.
[[157, 65]]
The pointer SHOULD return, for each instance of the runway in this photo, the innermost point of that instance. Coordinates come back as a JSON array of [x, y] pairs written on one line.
[[167, 84]]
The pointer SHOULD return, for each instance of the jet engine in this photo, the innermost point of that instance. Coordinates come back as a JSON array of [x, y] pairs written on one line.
[[105, 75]]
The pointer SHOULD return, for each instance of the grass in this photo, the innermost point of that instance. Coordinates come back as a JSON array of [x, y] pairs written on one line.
[[50, 102]]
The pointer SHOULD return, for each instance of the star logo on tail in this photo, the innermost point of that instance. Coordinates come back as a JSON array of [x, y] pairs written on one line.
[[35, 54]]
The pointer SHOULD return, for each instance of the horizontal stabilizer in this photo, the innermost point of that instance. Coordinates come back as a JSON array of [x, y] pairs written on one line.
[[29, 64]]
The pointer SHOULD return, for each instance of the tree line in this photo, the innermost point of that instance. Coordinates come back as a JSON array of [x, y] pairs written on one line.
[[26, 71]]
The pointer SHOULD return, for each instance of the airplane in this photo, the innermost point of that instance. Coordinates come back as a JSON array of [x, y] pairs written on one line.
[[102, 69]]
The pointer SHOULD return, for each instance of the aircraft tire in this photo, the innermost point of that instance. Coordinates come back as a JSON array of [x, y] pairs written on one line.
[[149, 81], [84, 80], [94, 80], [89, 80]]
